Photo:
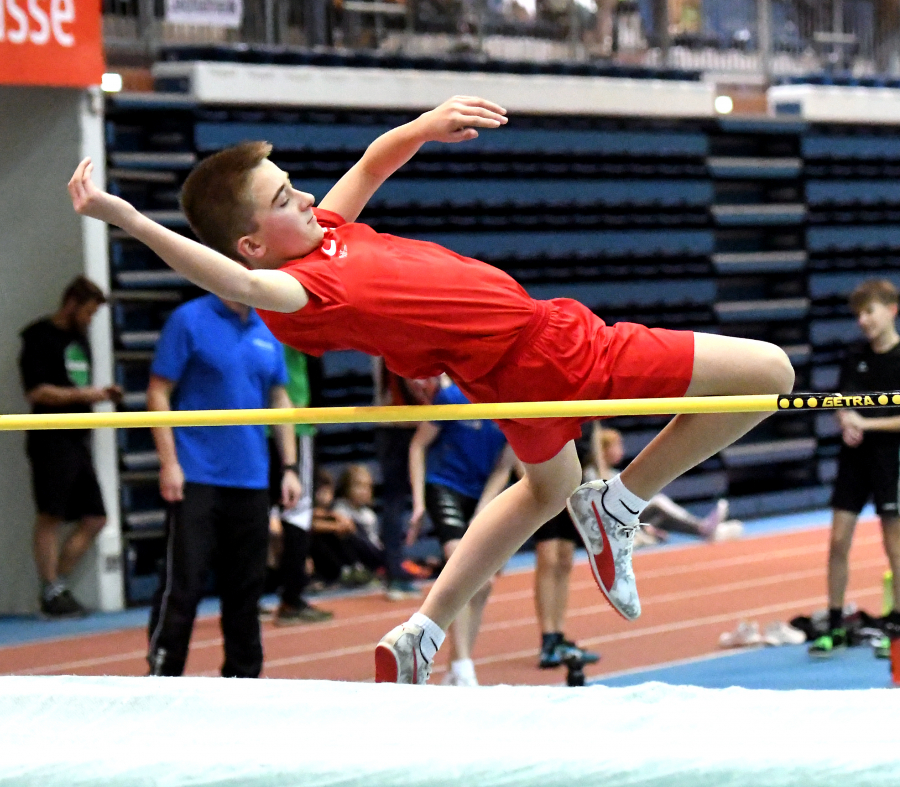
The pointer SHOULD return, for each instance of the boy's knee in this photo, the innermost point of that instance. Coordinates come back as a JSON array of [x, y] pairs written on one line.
[[484, 591], [93, 525], [779, 371], [839, 548]]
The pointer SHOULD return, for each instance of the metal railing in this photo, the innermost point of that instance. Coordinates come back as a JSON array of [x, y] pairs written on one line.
[[765, 37]]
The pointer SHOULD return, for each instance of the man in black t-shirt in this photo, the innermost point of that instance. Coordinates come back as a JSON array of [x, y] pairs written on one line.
[[56, 374], [869, 463]]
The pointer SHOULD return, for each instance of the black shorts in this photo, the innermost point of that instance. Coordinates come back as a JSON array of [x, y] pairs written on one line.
[[559, 527], [869, 471], [62, 476], [450, 511]]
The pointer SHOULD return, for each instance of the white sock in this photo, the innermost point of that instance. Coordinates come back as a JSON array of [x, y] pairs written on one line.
[[623, 504], [433, 637], [463, 668]]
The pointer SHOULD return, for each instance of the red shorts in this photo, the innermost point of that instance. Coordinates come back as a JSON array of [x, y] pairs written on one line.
[[566, 353]]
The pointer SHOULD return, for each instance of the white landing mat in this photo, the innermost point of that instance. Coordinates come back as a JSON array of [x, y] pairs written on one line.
[[170, 732]]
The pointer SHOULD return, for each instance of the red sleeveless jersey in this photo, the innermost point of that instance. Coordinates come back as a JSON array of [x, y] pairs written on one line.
[[423, 308]]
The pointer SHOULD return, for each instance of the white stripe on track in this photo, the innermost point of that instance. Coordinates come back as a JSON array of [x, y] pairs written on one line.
[[680, 625], [399, 609]]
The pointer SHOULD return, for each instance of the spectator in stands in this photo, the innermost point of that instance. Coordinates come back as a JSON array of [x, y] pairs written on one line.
[[455, 469], [291, 527], [869, 461], [355, 494], [339, 552], [392, 448], [554, 553], [55, 364], [662, 514], [216, 354], [327, 521]]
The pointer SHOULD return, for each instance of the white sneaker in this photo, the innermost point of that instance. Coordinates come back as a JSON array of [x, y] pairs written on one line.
[[399, 657], [779, 633], [731, 530], [465, 680], [713, 519], [609, 544], [449, 679], [746, 634]]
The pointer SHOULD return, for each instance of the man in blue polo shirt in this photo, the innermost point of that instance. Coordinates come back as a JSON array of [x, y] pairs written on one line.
[[216, 355]]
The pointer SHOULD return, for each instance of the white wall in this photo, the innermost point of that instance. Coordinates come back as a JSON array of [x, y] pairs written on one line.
[[43, 134]]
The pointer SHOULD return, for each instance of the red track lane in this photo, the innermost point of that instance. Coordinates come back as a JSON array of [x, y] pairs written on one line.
[[690, 595]]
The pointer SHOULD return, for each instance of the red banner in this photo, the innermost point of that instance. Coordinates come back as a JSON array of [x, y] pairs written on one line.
[[51, 42]]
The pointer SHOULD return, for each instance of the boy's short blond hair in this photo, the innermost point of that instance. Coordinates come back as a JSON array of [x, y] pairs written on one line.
[[215, 196], [873, 290]]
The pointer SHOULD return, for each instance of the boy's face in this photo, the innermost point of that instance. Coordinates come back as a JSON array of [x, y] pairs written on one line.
[[324, 496], [286, 226], [360, 491], [876, 319], [614, 451]]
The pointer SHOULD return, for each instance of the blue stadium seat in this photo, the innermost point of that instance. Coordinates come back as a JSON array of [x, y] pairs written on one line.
[[538, 192], [655, 292], [829, 332], [845, 238], [829, 285], [341, 137], [852, 192], [573, 243], [839, 146]]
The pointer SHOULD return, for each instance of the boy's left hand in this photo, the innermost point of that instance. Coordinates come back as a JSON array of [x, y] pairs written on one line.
[[88, 200], [291, 490], [458, 119]]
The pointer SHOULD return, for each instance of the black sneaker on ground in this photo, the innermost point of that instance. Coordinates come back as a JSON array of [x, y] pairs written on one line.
[[555, 651], [824, 647], [569, 648], [287, 615], [62, 605], [551, 655]]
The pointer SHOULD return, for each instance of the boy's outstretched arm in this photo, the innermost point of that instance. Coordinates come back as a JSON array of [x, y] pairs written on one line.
[[264, 289], [455, 120]]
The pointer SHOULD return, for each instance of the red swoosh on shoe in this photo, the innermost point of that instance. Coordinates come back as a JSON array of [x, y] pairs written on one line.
[[385, 665], [606, 566]]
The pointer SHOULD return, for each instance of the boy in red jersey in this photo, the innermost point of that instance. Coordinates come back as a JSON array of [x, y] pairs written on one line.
[[325, 283]]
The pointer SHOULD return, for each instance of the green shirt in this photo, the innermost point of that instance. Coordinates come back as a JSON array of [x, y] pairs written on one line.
[[298, 385]]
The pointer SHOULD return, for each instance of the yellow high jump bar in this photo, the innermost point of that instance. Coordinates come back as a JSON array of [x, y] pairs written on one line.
[[454, 412]]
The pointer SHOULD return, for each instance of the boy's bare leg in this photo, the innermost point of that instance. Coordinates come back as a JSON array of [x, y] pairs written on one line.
[[551, 582], [464, 630], [78, 542], [723, 366], [499, 529], [890, 527], [843, 523], [46, 546]]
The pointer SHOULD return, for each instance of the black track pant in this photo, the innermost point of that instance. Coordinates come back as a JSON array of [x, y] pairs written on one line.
[[295, 543], [392, 448], [227, 529]]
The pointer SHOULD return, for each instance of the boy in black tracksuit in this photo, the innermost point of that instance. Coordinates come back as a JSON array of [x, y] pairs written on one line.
[[869, 463]]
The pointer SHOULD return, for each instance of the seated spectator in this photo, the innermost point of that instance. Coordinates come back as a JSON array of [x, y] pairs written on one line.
[[338, 548], [289, 536], [663, 515], [355, 493]]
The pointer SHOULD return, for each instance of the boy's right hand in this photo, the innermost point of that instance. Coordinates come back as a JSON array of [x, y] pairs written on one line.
[[415, 524], [171, 482], [88, 200], [457, 119]]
